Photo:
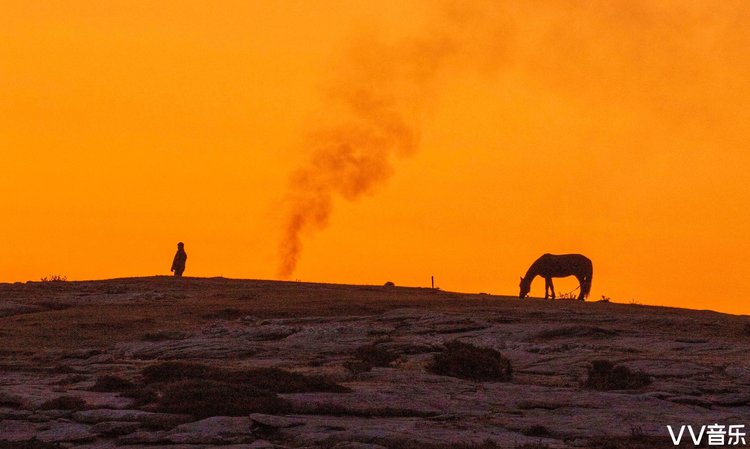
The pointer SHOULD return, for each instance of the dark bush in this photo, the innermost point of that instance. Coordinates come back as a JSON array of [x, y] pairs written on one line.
[[204, 398], [142, 395], [536, 431], [280, 381], [112, 384], [369, 356], [272, 379], [604, 375], [175, 371], [470, 362], [375, 355], [64, 403], [28, 444]]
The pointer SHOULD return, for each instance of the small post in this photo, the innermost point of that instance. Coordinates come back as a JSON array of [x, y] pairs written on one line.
[[432, 278]]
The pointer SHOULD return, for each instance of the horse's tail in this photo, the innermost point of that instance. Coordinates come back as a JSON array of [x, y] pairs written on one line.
[[589, 278]]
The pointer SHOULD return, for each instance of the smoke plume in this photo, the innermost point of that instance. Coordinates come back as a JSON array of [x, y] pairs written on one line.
[[378, 99]]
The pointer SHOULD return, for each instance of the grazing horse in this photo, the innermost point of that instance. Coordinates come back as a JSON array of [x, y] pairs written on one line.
[[559, 266]]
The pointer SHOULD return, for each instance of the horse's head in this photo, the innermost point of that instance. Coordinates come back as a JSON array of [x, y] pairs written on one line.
[[525, 286]]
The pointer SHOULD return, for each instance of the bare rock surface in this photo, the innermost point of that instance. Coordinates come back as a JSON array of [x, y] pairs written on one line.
[[60, 340]]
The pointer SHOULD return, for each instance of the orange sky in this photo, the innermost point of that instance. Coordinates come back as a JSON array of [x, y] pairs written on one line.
[[615, 129]]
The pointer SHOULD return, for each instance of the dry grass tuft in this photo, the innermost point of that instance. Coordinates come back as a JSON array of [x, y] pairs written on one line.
[[164, 336], [369, 356], [225, 314], [64, 403], [54, 278], [329, 409], [467, 361], [604, 375], [204, 398], [112, 384], [28, 444], [536, 431], [577, 331]]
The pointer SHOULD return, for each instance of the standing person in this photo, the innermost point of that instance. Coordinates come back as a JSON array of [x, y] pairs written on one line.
[[178, 264]]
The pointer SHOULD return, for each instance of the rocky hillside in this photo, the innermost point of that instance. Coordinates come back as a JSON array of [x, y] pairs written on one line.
[[199, 363]]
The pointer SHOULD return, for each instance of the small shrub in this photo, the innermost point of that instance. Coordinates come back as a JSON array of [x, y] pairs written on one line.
[[536, 431], [176, 371], [54, 278], [357, 366], [470, 362], [142, 395], [369, 356], [64, 403], [375, 355], [204, 398], [7, 400], [604, 375], [112, 384]]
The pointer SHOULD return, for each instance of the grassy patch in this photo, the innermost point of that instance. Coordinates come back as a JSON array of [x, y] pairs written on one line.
[[369, 356], [412, 444], [64, 403], [225, 314], [272, 379], [54, 278], [577, 331], [142, 395], [536, 431], [328, 409], [163, 336], [7, 400], [604, 375], [29, 444], [537, 445], [204, 398], [112, 384], [635, 442], [470, 362]]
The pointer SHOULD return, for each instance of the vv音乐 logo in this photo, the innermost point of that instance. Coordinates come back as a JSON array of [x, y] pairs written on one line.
[[712, 435]]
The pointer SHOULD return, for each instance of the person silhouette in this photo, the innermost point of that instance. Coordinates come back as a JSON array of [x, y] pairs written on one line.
[[178, 264]]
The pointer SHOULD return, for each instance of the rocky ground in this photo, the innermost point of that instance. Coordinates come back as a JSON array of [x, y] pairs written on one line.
[[75, 360]]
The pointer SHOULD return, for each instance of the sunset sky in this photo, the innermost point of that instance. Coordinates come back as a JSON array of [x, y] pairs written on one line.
[[363, 142]]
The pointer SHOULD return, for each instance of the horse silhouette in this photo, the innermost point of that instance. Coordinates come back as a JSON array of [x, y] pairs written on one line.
[[551, 266]]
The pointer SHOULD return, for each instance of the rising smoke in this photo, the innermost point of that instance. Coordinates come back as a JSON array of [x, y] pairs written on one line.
[[379, 97]]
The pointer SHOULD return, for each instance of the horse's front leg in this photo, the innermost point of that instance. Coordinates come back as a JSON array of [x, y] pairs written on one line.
[[547, 286], [552, 288]]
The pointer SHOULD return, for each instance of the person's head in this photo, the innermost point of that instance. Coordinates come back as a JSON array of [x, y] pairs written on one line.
[[180, 245]]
